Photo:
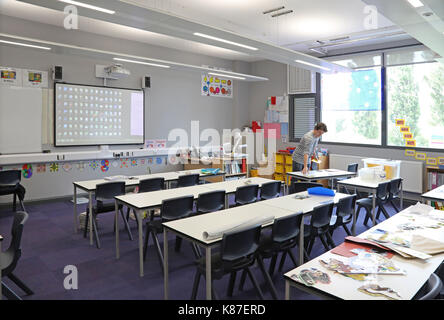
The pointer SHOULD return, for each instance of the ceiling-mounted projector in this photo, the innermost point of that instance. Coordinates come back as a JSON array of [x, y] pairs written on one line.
[[116, 71]]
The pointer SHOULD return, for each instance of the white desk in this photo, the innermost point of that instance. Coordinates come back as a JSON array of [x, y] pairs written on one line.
[[436, 194], [192, 228], [90, 187], [417, 271], [325, 174], [140, 202], [1, 295], [368, 186]]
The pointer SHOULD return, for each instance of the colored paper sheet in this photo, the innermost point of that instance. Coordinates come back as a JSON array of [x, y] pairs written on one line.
[[404, 129], [345, 249], [400, 122], [284, 128], [410, 143], [272, 130], [408, 135], [420, 156], [441, 160], [410, 152], [432, 161]]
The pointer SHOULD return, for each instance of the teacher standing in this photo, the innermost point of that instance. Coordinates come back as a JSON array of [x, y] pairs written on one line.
[[306, 148]]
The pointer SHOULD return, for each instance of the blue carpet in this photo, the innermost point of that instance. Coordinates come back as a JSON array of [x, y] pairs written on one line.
[[49, 244]]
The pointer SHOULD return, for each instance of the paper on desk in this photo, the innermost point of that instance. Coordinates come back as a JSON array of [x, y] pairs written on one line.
[[218, 231], [419, 208]]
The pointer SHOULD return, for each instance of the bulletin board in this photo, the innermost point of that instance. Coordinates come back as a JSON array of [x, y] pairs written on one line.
[[215, 86]]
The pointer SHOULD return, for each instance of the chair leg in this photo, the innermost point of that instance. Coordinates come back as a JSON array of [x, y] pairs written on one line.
[[213, 292], [384, 211], [272, 265], [22, 205], [195, 285], [14, 203], [330, 240], [311, 243], [392, 202], [367, 216], [231, 284], [378, 213], [20, 284], [267, 278], [96, 234], [159, 250], [281, 264], [255, 284], [127, 227], [292, 257], [324, 243], [86, 224], [8, 293], [146, 240], [196, 250], [242, 280], [178, 244]]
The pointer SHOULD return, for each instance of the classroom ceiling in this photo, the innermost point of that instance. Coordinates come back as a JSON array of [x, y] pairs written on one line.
[[322, 25]]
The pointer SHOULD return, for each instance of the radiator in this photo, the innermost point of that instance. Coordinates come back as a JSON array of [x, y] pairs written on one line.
[[411, 171]]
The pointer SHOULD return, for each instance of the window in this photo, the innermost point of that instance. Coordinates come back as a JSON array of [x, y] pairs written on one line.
[[303, 114], [351, 106], [415, 94]]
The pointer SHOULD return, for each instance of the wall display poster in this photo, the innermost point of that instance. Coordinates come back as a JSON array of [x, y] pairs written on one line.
[[67, 167], [420, 156], [272, 130], [441, 161], [408, 135], [27, 171], [215, 86], [400, 122], [161, 143], [41, 168], [432, 161], [410, 143], [10, 77], [150, 144], [104, 165], [54, 167], [404, 129], [410, 152], [35, 78]]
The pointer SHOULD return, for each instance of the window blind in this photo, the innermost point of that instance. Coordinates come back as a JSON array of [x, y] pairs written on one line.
[[304, 116]]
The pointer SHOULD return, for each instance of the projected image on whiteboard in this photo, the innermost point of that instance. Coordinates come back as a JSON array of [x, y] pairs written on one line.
[[87, 115]]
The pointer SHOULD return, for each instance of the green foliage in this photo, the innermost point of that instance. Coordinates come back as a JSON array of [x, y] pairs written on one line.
[[436, 83], [366, 123]]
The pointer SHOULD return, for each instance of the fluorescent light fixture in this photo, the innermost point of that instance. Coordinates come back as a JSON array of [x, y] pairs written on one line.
[[225, 41], [141, 62], [88, 6], [416, 3], [281, 13], [312, 65], [25, 45], [225, 75], [273, 10]]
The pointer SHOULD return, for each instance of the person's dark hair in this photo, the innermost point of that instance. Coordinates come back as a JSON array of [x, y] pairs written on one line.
[[321, 126]]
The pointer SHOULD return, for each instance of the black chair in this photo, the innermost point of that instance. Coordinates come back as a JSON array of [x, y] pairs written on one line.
[[188, 180], [319, 227], [10, 184], [394, 191], [210, 201], [171, 209], [344, 214], [352, 167], [149, 185], [237, 253], [296, 187], [382, 198], [10, 258], [270, 190], [105, 202], [430, 290], [283, 238], [246, 194]]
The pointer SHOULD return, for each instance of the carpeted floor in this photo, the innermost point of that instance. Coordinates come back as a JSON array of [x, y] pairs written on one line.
[[49, 244]]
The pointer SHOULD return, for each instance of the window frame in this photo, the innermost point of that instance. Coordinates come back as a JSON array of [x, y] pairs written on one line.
[[384, 113]]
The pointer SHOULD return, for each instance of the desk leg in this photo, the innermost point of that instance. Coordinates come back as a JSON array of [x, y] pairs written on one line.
[[374, 208], [354, 221], [208, 271], [1, 294], [287, 290], [116, 223], [165, 263], [226, 200], [91, 227], [76, 228], [301, 242], [140, 221]]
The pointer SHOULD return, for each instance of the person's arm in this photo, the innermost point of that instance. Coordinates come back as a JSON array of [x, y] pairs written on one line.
[[305, 169]]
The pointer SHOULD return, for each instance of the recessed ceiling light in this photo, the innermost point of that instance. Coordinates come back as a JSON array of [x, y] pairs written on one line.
[[416, 3], [225, 75], [88, 6], [312, 65], [25, 45], [223, 40], [141, 62]]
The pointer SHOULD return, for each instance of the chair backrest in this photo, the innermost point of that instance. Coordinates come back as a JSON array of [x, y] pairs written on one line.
[[352, 167], [296, 187], [270, 190], [431, 288], [10, 177], [346, 206], [321, 216], [240, 244], [286, 228], [109, 190], [153, 184], [246, 194], [382, 192], [395, 186], [211, 201], [188, 180], [177, 208]]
